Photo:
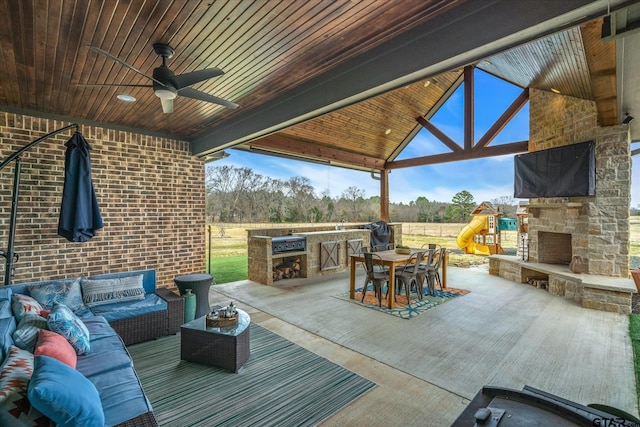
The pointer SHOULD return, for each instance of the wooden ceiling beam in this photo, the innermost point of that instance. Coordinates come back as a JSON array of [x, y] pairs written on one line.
[[498, 150], [439, 134], [306, 149], [469, 92]]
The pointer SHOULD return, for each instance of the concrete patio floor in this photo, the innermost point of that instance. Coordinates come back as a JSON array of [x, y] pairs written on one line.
[[428, 368]]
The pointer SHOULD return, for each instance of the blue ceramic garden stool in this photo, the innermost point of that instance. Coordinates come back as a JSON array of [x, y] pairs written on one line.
[[200, 284]]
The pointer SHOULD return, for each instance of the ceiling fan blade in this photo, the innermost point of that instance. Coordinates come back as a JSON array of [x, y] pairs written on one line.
[[121, 62], [110, 85], [187, 79], [201, 96], [167, 105]]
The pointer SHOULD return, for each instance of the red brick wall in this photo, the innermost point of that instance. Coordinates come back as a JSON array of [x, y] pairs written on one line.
[[151, 196]]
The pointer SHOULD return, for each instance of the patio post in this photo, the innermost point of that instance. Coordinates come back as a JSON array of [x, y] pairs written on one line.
[[384, 195]]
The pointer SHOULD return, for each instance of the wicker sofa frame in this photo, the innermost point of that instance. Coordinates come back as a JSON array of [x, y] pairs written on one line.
[[150, 326], [148, 419]]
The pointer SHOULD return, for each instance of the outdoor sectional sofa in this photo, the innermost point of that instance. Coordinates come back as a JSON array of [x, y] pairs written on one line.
[[38, 377]]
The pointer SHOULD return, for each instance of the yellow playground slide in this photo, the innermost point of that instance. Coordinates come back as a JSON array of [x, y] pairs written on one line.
[[465, 238]]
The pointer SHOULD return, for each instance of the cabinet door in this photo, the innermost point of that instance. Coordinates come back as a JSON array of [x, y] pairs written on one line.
[[354, 246], [329, 258]]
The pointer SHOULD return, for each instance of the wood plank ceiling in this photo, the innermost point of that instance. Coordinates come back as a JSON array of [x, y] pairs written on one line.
[[265, 48]]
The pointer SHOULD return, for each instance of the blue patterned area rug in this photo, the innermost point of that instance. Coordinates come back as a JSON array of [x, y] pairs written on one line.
[[282, 384], [403, 308]]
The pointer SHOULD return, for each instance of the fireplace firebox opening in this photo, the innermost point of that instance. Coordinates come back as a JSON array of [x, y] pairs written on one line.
[[554, 248]]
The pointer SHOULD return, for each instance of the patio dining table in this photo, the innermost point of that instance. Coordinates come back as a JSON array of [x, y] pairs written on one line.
[[392, 260]]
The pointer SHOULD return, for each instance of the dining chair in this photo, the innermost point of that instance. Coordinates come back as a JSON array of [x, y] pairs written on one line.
[[382, 247], [433, 273], [406, 275], [375, 274], [423, 271]]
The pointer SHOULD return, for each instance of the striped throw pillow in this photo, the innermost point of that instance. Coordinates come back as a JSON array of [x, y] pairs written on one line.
[[108, 291]]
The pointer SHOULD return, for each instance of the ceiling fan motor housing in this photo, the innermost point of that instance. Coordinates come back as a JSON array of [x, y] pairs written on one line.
[[164, 75]]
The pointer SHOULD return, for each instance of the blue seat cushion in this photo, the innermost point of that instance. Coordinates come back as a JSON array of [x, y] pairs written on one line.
[[107, 354], [98, 328], [123, 310], [121, 395]]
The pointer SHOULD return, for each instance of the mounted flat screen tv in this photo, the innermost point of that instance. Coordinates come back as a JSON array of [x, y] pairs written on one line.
[[568, 171]]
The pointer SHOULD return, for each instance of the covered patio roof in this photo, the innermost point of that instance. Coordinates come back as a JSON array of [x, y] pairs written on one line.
[[341, 82]]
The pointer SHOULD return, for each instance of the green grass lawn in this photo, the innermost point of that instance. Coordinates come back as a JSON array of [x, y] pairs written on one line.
[[229, 268], [634, 333]]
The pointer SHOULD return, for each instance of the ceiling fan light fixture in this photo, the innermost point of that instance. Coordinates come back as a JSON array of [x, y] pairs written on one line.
[[165, 93]]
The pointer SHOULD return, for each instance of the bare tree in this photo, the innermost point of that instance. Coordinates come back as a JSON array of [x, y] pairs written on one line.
[[228, 185], [239, 194], [506, 204], [353, 200]]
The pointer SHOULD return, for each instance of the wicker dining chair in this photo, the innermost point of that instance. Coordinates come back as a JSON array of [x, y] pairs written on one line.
[[376, 274]]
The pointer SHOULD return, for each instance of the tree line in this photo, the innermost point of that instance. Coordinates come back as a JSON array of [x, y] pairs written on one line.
[[238, 194]]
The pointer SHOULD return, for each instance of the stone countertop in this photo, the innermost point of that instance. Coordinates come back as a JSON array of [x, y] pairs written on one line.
[[348, 230]]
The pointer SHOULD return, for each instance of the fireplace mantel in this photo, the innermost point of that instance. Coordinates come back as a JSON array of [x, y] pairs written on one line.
[[567, 205]]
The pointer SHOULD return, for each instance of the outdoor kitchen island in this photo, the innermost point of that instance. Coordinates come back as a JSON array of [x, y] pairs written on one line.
[[315, 251]]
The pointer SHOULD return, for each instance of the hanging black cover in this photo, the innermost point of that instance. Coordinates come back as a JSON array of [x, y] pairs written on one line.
[[79, 212], [567, 171], [380, 233]]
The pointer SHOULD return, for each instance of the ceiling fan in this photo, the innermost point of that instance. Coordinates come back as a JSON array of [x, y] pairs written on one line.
[[166, 84]]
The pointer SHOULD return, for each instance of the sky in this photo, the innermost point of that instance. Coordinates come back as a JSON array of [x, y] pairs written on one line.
[[486, 179]]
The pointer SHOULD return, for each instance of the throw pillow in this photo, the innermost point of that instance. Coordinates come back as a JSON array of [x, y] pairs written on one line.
[[64, 322], [107, 291], [55, 345], [5, 309], [26, 334], [64, 395], [5, 303], [22, 304], [65, 292], [15, 374]]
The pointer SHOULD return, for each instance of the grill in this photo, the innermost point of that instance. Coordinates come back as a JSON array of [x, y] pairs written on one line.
[[285, 244]]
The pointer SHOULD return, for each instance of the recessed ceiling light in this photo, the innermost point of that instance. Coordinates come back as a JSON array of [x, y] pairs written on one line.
[[126, 98], [427, 83], [554, 90], [486, 61], [387, 132]]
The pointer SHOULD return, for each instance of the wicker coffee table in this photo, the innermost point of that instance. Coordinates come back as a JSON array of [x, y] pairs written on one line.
[[226, 347]]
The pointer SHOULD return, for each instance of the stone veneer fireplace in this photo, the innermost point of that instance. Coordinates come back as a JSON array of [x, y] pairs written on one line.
[[595, 228], [598, 225]]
